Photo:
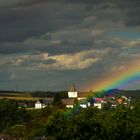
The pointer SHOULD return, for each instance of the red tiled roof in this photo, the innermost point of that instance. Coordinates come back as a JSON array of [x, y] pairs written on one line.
[[99, 99], [119, 100]]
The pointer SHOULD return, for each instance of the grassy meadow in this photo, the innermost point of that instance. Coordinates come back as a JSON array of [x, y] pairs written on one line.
[[18, 96]]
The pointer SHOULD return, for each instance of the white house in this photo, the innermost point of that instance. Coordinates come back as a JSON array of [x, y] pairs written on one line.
[[113, 105], [38, 104], [44, 103], [98, 105], [84, 104], [72, 93], [124, 97]]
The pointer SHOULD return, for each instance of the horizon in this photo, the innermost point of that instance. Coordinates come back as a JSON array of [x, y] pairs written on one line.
[[25, 91]]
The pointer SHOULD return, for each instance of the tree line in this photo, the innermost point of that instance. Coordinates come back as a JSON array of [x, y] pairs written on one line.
[[54, 123]]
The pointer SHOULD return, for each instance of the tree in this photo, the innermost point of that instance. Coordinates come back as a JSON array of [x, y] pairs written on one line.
[[17, 131]]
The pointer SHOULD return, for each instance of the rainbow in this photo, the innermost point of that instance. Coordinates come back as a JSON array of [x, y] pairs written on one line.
[[121, 80]]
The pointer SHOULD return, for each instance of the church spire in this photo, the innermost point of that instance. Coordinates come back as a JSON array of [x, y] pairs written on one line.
[[72, 89]]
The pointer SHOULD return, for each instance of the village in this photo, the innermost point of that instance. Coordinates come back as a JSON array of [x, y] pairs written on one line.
[[82, 100]]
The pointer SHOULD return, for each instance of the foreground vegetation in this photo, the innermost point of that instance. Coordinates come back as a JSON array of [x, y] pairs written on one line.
[[53, 123]]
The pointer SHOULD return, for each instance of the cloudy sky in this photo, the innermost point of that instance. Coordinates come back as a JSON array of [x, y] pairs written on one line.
[[49, 44]]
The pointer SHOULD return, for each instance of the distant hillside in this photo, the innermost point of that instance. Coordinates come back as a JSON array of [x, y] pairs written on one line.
[[63, 94], [127, 93]]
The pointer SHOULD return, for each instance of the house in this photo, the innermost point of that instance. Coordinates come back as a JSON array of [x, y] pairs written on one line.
[[38, 104], [113, 105], [84, 104], [98, 105], [125, 104], [119, 100], [72, 93], [43, 103], [129, 99], [48, 101], [21, 104], [69, 103], [82, 96], [125, 98], [100, 100]]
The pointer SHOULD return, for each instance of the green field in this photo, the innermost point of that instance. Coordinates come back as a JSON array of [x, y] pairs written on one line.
[[19, 96]]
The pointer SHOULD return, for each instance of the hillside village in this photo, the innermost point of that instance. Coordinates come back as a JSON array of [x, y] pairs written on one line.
[[85, 100], [62, 114], [72, 98]]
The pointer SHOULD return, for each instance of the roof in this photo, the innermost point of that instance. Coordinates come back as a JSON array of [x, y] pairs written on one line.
[[82, 94], [99, 99], [21, 104], [72, 88], [45, 101], [68, 101], [38, 102], [48, 100], [119, 100], [124, 97]]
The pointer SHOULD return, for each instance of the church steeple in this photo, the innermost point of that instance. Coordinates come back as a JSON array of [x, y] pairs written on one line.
[[72, 88], [72, 93]]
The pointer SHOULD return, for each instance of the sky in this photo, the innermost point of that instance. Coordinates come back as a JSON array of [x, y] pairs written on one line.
[[50, 44]]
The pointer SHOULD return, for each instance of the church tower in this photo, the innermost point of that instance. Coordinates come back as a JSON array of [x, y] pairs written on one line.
[[72, 93]]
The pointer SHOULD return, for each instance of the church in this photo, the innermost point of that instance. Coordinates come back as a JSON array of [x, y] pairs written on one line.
[[75, 96]]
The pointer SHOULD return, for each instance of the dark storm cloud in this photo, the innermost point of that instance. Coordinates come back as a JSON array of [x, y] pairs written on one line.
[[131, 10], [16, 3], [35, 17], [21, 23], [133, 17], [50, 46]]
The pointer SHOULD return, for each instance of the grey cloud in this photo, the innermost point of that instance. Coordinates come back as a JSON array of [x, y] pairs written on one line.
[[14, 3], [61, 30], [131, 10], [80, 60], [21, 23], [17, 3], [65, 41]]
